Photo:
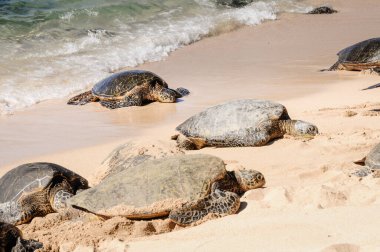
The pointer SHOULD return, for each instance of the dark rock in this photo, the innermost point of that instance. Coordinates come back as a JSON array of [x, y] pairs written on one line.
[[234, 3], [322, 10]]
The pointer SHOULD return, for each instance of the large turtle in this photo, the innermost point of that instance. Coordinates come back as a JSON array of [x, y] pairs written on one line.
[[371, 163], [361, 56], [129, 88], [11, 240], [36, 189], [240, 123], [186, 188]]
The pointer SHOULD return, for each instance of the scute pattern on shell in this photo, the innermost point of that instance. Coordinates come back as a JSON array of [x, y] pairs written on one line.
[[120, 83], [242, 122], [31, 177], [367, 51], [178, 178]]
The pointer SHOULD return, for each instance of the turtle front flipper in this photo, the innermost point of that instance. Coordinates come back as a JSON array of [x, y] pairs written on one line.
[[217, 204], [83, 98], [11, 212], [128, 101]]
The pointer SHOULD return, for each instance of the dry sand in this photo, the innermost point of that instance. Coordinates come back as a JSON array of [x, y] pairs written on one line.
[[310, 202]]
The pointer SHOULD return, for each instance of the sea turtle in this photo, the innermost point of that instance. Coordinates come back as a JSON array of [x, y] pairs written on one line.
[[322, 10], [371, 163], [36, 189], [11, 240], [240, 123], [186, 188], [129, 88], [364, 55]]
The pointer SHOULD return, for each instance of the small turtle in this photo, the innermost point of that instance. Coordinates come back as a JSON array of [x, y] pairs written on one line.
[[11, 240], [240, 123], [36, 189], [129, 88], [364, 55], [186, 188], [322, 10], [371, 163]]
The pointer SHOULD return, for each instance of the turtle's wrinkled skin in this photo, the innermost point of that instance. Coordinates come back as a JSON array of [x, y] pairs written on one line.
[[129, 88], [11, 240], [240, 123], [186, 188], [371, 163], [361, 56], [36, 189]]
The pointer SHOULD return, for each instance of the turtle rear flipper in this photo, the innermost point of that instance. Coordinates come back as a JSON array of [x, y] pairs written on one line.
[[83, 98], [189, 143], [219, 203]]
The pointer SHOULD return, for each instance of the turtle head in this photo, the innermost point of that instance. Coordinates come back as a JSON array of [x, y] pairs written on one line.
[[249, 179], [304, 128]]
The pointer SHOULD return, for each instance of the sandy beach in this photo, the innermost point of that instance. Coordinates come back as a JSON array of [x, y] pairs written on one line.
[[310, 201]]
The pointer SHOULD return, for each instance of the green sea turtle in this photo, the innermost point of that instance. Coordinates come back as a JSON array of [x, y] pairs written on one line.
[[186, 188], [364, 55], [371, 163], [240, 123], [11, 240], [129, 88], [36, 189]]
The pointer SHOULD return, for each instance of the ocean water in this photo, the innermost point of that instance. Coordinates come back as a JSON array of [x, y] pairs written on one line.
[[52, 48]]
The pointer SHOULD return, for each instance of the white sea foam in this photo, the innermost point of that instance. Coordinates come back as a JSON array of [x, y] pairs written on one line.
[[54, 65]]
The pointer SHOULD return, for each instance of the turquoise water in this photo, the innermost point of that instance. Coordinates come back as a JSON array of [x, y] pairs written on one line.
[[52, 48]]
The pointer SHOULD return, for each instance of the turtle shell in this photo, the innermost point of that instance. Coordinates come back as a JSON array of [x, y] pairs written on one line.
[[365, 52], [133, 153], [152, 188], [120, 83], [231, 118], [33, 177], [373, 158]]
